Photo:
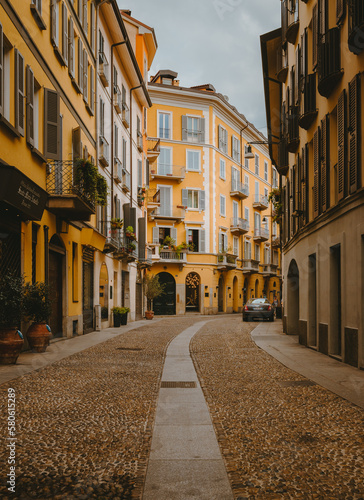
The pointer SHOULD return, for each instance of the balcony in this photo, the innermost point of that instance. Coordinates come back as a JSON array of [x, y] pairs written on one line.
[[170, 172], [293, 129], [276, 241], [118, 171], [67, 198], [260, 202], [172, 257], [140, 141], [103, 69], [226, 261], [117, 99], [125, 181], [125, 114], [113, 238], [309, 110], [269, 269], [239, 190], [145, 259], [290, 20], [250, 266], [141, 195], [153, 199], [153, 148], [282, 64], [127, 249], [261, 234], [238, 225], [356, 26], [283, 164], [176, 214], [104, 152], [329, 62]]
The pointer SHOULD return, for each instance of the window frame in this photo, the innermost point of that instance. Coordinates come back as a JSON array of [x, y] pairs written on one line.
[[222, 161], [160, 113], [222, 205], [197, 153]]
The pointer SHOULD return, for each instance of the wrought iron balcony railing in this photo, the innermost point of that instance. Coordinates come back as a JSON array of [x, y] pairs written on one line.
[[239, 189], [238, 225], [261, 233], [260, 202], [165, 170]]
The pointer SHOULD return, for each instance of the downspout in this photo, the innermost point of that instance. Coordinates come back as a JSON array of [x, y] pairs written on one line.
[[131, 142], [112, 124], [241, 161]]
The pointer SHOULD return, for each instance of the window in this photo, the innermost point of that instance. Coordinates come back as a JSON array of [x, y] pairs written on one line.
[[223, 138], [222, 205], [266, 255], [266, 193], [235, 149], [257, 164], [246, 213], [256, 195], [165, 161], [196, 238], [193, 160], [85, 75], [222, 169], [92, 27], [247, 163], [246, 181], [164, 124], [140, 173], [236, 246], [167, 81], [193, 129], [247, 250], [160, 234], [55, 23], [265, 170], [91, 101], [19, 92], [51, 124], [102, 118], [275, 177], [71, 49], [257, 252], [80, 65], [235, 179], [193, 199], [222, 242], [5, 50], [274, 230]]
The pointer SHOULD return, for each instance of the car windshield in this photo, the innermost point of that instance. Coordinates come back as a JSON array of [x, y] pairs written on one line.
[[258, 301]]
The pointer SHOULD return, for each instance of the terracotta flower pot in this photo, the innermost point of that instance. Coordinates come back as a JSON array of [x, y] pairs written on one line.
[[11, 343], [149, 314], [38, 337]]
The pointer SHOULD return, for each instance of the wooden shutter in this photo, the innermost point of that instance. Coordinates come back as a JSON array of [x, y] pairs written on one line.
[[64, 33], [19, 92], [79, 10], [76, 143], [54, 21], [51, 124], [80, 64], [202, 200], [305, 183], [85, 75], [142, 235], [156, 235], [84, 16], [284, 19], [184, 128], [202, 130], [220, 138], [30, 106], [92, 89], [92, 26], [322, 17], [124, 154], [298, 75], [325, 163], [202, 239], [354, 131], [316, 166], [185, 197], [1, 71], [71, 48], [340, 10], [315, 30], [341, 145], [174, 233]]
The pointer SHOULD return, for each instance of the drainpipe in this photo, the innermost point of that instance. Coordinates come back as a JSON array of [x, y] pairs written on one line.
[[241, 161], [112, 124], [131, 142]]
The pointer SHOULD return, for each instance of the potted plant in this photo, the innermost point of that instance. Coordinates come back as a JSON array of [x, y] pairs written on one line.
[[89, 182], [129, 233], [169, 242], [116, 223], [152, 289], [275, 196], [120, 315], [38, 308], [11, 308]]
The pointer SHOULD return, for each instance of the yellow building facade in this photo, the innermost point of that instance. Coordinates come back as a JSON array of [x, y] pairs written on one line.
[[313, 67], [213, 241]]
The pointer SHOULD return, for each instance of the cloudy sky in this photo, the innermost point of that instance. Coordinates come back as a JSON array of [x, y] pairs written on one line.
[[213, 41]]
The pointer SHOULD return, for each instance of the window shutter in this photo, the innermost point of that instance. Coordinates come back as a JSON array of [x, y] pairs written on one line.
[[30, 106], [51, 124], [202, 130], [322, 18], [147, 173], [64, 33], [341, 145], [92, 89], [202, 200], [124, 154], [354, 131], [85, 75], [316, 166], [304, 183], [174, 234], [1, 71], [140, 173], [19, 92], [71, 48], [155, 235], [219, 134], [54, 23], [185, 197], [340, 10], [79, 10], [315, 30], [84, 16], [202, 243], [92, 26], [184, 128], [80, 64], [76, 143], [325, 163]]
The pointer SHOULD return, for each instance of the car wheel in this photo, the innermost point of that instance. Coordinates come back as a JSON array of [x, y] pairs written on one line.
[[271, 319]]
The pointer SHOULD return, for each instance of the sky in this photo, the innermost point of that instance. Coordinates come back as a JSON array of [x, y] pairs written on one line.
[[213, 41]]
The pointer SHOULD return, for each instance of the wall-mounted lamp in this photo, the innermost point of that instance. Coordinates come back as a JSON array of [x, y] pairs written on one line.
[[248, 153], [206, 286]]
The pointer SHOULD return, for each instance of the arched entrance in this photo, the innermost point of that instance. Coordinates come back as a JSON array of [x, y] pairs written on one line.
[[256, 292], [166, 303], [220, 299], [192, 292], [57, 254], [293, 294], [104, 291], [245, 291], [235, 295]]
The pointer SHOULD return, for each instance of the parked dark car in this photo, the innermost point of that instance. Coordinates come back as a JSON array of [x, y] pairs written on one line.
[[258, 308]]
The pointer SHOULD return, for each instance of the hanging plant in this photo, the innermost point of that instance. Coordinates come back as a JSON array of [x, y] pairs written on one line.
[[116, 223], [275, 196], [89, 182], [129, 233], [101, 190]]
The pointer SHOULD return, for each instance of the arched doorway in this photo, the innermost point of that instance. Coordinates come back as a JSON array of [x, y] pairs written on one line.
[[57, 254], [104, 291], [256, 292], [166, 303], [192, 292], [293, 295], [235, 295], [245, 291], [220, 299]]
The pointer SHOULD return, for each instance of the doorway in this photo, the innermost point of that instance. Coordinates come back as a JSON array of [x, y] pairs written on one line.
[[57, 254], [192, 292], [335, 300], [235, 295], [220, 300], [88, 290], [165, 304], [293, 296]]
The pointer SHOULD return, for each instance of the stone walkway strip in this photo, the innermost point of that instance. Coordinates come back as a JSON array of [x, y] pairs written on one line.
[[185, 461]]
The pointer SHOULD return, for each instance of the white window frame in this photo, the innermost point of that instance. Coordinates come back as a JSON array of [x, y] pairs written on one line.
[[223, 139], [197, 153], [222, 205], [159, 115], [235, 153], [193, 135], [194, 192], [222, 169], [223, 242], [236, 246], [159, 165]]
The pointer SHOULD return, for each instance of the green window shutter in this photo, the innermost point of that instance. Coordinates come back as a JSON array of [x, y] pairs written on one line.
[[71, 48], [184, 128], [202, 244], [341, 145], [354, 134], [316, 175], [19, 92], [64, 33], [202, 130], [155, 235], [1, 71], [30, 106], [202, 200], [51, 124], [185, 197]]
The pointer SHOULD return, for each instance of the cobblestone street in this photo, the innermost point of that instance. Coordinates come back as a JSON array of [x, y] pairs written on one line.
[[85, 423]]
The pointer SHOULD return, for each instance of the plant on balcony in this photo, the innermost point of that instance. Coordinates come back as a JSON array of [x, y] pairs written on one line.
[[89, 182], [129, 233], [38, 308], [116, 223], [11, 308], [168, 242], [183, 246], [275, 196], [131, 247], [152, 289]]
